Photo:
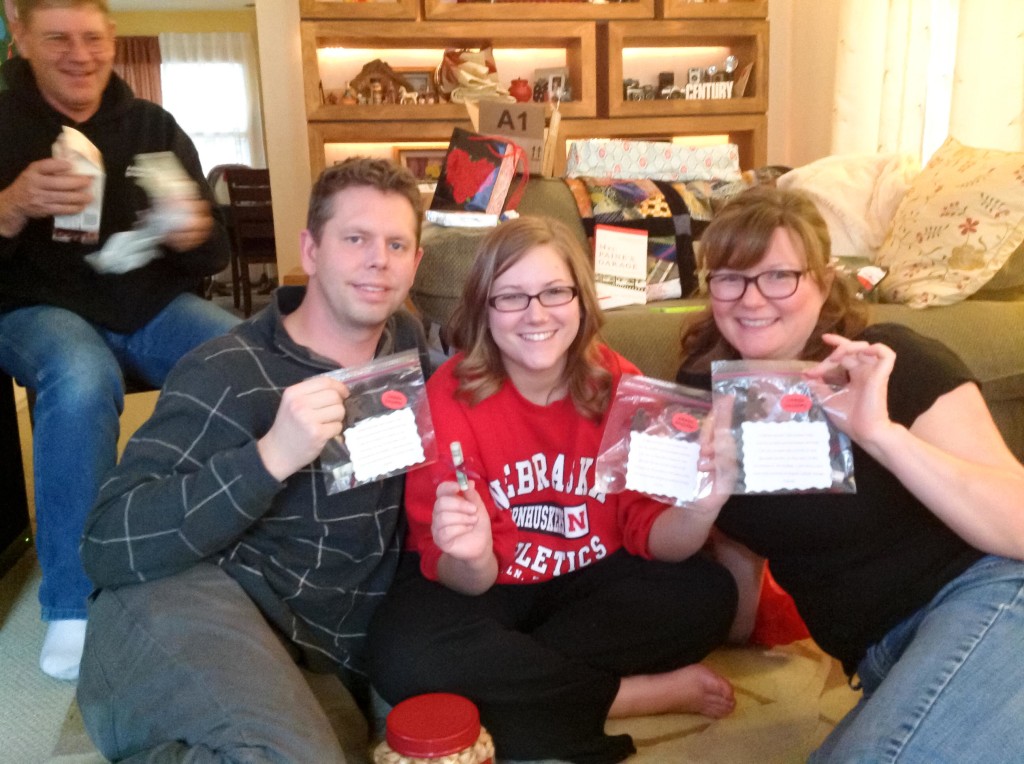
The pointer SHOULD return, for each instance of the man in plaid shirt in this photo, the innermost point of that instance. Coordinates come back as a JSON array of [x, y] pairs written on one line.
[[233, 593]]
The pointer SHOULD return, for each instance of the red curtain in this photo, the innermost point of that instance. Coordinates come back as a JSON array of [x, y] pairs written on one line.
[[137, 62]]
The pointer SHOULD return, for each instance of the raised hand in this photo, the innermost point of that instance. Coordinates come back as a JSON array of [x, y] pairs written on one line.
[[861, 408], [45, 188], [718, 456], [310, 414], [192, 224], [461, 527]]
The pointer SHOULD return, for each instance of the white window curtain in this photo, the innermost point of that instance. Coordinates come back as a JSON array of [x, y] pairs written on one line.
[[211, 86], [910, 73]]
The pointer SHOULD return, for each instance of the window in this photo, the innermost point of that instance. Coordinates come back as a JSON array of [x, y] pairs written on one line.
[[209, 85]]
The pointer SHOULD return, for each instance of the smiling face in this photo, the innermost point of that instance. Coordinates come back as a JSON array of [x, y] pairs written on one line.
[[361, 270], [776, 329], [533, 342], [71, 52]]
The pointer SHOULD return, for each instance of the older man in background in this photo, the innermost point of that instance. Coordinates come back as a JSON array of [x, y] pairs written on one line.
[[71, 332]]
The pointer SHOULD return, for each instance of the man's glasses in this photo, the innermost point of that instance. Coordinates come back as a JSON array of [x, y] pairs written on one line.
[[773, 285], [62, 44], [551, 297]]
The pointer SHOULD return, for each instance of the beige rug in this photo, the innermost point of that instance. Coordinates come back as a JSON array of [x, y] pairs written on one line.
[[787, 700]]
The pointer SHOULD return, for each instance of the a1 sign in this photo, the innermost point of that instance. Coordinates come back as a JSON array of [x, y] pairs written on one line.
[[522, 122]]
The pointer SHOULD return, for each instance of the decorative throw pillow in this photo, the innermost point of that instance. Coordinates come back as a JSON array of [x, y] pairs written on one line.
[[956, 227], [1008, 284]]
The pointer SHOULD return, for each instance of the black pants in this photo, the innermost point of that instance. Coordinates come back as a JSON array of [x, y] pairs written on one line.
[[543, 661]]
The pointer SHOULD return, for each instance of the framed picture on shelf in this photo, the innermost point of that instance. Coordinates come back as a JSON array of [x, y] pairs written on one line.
[[421, 78], [425, 164], [556, 77]]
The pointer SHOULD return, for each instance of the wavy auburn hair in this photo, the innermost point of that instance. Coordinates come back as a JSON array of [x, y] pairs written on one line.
[[481, 370], [738, 238]]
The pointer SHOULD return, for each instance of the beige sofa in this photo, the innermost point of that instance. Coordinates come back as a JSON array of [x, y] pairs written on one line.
[[987, 334]]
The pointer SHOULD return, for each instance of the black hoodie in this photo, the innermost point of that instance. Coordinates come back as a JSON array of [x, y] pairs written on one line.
[[36, 270]]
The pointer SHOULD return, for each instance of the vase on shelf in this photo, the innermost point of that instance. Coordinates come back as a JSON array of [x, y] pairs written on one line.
[[521, 90]]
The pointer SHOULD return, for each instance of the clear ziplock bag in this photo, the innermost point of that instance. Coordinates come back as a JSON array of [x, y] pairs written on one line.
[[651, 441], [785, 441], [387, 430]]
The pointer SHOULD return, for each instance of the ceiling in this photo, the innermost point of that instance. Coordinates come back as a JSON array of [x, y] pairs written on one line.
[[180, 5]]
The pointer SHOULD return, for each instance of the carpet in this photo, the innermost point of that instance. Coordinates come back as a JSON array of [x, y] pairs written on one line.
[[788, 699]]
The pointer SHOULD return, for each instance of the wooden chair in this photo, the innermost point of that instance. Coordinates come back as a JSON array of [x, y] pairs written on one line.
[[221, 283], [252, 227]]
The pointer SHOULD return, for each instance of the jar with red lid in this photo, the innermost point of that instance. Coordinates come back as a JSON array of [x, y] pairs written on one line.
[[436, 728]]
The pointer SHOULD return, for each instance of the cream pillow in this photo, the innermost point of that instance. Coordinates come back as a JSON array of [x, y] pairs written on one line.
[[957, 225]]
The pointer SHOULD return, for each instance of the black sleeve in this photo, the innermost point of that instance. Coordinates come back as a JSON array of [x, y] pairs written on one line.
[[925, 370]]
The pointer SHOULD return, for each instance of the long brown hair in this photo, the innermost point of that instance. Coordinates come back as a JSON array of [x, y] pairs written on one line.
[[481, 371], [738, 238]]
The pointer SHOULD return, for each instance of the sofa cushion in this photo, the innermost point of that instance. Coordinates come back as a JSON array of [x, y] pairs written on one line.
[[448, 252], [956, 227]]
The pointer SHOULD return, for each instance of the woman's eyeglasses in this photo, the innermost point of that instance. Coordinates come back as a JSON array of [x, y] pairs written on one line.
[[551, 297], [773, 285]]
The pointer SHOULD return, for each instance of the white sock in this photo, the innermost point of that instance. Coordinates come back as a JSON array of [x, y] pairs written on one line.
[[62, 649]]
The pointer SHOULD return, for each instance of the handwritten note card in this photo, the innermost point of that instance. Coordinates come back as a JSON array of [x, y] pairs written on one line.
[[660, 466], [384, 444], [786, 456]]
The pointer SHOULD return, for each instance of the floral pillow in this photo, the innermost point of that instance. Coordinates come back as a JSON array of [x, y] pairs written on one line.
[[960, 221]]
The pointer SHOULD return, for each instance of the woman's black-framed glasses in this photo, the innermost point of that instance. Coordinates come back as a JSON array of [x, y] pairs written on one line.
[[552, 297], [773, 285]]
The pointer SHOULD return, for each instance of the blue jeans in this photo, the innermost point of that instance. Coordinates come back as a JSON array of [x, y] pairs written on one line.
[[75, 368], [946, 684]]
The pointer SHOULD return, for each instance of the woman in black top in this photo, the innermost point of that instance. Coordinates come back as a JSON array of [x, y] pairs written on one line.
[[914, 582]]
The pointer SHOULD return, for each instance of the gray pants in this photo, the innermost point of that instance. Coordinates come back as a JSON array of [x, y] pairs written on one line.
[[186, 669]]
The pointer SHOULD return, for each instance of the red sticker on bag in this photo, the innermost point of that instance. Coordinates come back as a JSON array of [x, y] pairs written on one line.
[[685, 422], [795, 403], [393, 399]]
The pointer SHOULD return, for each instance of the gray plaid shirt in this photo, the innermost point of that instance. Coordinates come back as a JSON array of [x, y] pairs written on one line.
[[191, 487]]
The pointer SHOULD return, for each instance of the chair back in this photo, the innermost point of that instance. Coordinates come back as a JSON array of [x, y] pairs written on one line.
[[252, 213], [251, 220], [215, 179]]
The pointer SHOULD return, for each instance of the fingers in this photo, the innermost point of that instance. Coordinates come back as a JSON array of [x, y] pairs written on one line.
[[311, 412], [455, 506], [852, 356], [195, 226], [316, 400], [455, 509], [49, 187]]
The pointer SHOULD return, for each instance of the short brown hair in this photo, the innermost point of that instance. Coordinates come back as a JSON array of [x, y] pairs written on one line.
[[481, 371], [25, 8], [381, 174], [738, 238]]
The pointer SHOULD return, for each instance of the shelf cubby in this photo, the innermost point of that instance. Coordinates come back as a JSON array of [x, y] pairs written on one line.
[[747, 39]]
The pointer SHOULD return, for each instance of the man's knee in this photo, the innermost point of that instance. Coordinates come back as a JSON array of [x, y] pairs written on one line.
[[190, 658]]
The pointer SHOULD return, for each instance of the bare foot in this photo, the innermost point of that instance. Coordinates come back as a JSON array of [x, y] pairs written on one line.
[[694, 689]]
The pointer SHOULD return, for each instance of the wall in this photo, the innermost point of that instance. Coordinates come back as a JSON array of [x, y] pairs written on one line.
[[154, 22], [804, 35], [284, 121]]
